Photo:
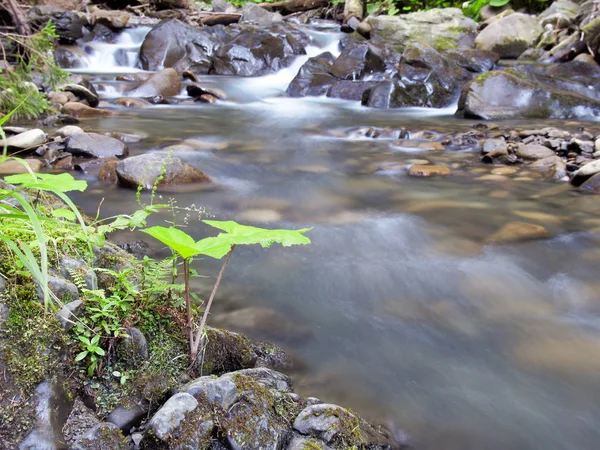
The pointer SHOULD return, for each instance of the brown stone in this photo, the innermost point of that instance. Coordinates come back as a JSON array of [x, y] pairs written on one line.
[[108, 172], [80, 110], [518, 231], [11, 166], [420, 170]]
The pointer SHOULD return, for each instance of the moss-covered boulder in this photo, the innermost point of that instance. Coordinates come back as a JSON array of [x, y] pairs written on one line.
[[441, 29], [510, 36], [102, 437]]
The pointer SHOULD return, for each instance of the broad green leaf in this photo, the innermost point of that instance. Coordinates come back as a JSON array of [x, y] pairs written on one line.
[[63, 182], [63, 213], [247, 235], [498, 3], [215, 247], [174, 238], [99, 351], [81, 355]]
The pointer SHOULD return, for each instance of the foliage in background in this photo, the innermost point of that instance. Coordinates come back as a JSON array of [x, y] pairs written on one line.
[[34, 53]]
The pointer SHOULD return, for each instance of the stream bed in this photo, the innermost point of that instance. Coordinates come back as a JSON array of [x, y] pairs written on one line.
[[398, 309]]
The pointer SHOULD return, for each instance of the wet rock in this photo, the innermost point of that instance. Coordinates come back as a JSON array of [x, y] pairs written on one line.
[[428, 170], [69, 24], [13, 167], [517, 231], [554, 165], [560, 14], [68, 58], [165, 82], [29, 139], [299, 442], [585, 58], [226, 352], [70, 268], [53, 406], [350, 90], [174, 44], [510, 36], [68, 313], [490, 145], [115, 20], [441, 29], [143, 170], [197, 90], [80, 110], [102, 437], [591, 185], [357, 61], [254, 53], [68, 130], [169, 417], [313, 78], [533, 151], [80, 421], [87, 93], [62, 288], [222, 391], [585, 172], [259, 16], [108, 171], [126, 417], [473, 60], [95, 145], [60, 98], [132, 102], [134, 348], [516, 94]]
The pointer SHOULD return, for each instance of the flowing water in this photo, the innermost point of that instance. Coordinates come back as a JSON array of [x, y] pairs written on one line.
[[398, 309]]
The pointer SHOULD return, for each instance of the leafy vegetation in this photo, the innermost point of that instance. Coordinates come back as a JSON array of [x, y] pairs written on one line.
[[34, 54]]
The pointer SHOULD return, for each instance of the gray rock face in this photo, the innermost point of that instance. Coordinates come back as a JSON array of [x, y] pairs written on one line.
[[63, 289], [586, 171], [299, 442], [103, 436], [533, 151], [69, 24], [68, 130], [357, 61], [80, 421], [510, 36], [313, 78], [591, 185], [221, 391], [134, 348], [170, 416], [560, 14], [95, 145], [165, 82], [441, 29], [52, 409], [126, 417], [260, 16], [29, 139], [143, 170], [324, 421], [519, 93], [66, 315], [70, 267], [87, 93]]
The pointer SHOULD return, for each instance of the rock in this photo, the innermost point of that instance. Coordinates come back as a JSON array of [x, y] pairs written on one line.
[[585, 58], [165, 82], [69, 24], [441, 29], [68, 130], [263, 322], [225, 352], [313, 78], [350, 90], [517, 231], [357, 61], [80, 110], [510, 36], [488, 11], [29, 139], [473, 60], [60, 98], [63, 289], [87, 93], [222, 391], [513, 94], [591, 185], [133, 349], [534, 151], [554, 165], [560, 14], [80, 421], [70, 268], [102, 437], [174, 44], [53, 406], [67, 314], [143, 170], [126, 417], [95, 145], [197, 90], [586, 171], [108, 171], [132, 102], [490, 145], [11, 166], [116, 20], [169, 417], [428, 170], [299, 442], [69, 58], [259, 16]]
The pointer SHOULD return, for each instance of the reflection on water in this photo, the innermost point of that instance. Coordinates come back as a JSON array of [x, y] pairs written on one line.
[[398, 309]]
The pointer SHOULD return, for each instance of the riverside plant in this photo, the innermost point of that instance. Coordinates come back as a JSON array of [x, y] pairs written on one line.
[[219, 247]]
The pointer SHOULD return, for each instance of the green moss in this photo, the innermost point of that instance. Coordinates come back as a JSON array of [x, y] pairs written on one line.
[[225, 351], [444, 43]]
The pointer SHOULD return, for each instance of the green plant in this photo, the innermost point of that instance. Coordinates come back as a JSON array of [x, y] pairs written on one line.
[[218, 247], [35, 53], [92, 350]]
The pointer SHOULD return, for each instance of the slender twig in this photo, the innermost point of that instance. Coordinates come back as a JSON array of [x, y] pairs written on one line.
[[195, 341], [188, 306]]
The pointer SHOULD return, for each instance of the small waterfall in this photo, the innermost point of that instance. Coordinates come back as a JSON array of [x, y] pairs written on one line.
[[120, 56]]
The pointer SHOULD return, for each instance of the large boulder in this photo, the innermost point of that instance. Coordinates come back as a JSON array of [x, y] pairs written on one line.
[[102, 437], [560, 14], [522, 94], [175, 44], [143, 170], [441, 29], [510, 36], [313, 78], [357, 61], [164, 83], [256, 52], [69, 24]]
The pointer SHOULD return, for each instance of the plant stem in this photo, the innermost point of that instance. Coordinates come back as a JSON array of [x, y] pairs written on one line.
[[188, 306], [198, 338]]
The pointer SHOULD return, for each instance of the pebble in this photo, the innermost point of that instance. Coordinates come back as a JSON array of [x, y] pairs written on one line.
[[420, 170]]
